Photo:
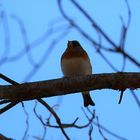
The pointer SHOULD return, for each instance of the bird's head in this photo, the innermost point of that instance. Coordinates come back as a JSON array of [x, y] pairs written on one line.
[[73, 45]]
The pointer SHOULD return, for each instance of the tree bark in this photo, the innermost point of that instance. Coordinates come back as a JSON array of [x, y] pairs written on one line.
[[69, 85]]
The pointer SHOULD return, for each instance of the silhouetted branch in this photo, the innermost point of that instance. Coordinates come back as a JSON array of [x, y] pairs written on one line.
[[121, 96], [124, 32], [5, 101], [90, 123], [26, 41], [7, 107], [73, 124], [90, 132], [125, 28], [135, 97], [99, 128], [7, 41], [94, 24], [108, 61], [109, 132], [25, 136], [44, 37], [40, 119], [55, 116], [7, 79]]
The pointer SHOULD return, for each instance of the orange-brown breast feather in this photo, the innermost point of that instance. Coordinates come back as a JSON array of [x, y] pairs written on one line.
[[70, 54]]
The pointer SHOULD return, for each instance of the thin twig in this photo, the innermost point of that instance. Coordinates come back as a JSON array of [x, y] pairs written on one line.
[[49, 33], [7, 79], [90, 132], [47, 53], [74, 125], [99, 128], [7, 41], [94, 24], [109, 132], [136, 98], [27, 122], [121, 96], [41, 120], [90, 121], [25, 40], [55, 116], [7, 107]]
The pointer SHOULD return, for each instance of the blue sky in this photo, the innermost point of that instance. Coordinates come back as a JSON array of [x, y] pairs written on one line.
[[38, 17]]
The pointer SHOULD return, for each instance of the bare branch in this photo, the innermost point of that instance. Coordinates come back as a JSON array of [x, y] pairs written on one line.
[[55, 116], [89, 123], [7, 41], [109, 132], [99, 128], [7, 107], [40, 119], [47, 53], [74, 125], [90, 132], [25, 38], [69, 85], [4, 101], [135, 97], [108, 62], [7, 79], [27, 122], [94, 24], [121, 96]]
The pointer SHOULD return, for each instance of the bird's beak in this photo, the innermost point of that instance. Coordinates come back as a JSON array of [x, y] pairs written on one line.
[[69, 43]]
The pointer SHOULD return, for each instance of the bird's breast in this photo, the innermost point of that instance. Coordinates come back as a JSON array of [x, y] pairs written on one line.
[[75, 66]]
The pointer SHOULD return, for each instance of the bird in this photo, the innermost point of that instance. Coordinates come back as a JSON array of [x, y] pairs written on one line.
[[75, 62]]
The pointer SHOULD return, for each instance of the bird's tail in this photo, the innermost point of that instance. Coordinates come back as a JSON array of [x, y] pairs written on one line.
[[87, 99]]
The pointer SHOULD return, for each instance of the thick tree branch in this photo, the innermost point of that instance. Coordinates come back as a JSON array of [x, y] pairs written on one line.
[[68, 85]]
